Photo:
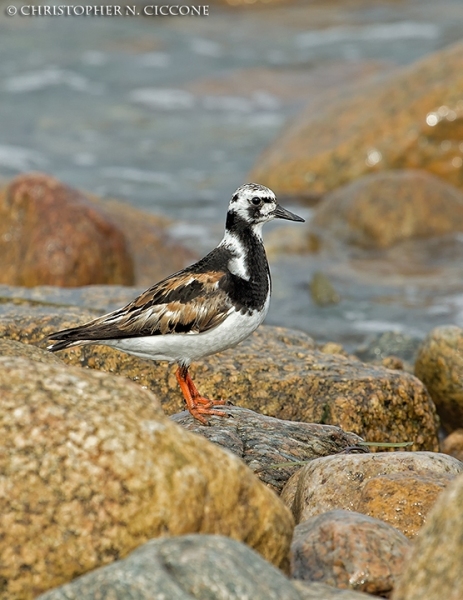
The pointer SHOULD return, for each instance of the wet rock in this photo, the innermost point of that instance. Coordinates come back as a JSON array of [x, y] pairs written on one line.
[[439, 365], [382, 209], [91, 469], [349, 550], [322, 290], [453, 444], [396, 487], [276, 371], [51, 234], [264, 442], [319, 591], [389, 345], [413, 119], [183, 568], [433, 570]]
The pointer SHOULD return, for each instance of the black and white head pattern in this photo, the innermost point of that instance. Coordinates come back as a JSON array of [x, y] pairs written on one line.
[[253, 203]]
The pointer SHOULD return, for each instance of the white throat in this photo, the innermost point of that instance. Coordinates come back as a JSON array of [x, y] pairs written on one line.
[[237, 263]]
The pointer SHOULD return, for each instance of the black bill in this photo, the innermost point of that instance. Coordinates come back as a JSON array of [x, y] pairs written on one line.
[[282, 213]]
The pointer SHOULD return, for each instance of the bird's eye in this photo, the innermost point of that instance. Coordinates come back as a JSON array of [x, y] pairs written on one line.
[[256, 201]]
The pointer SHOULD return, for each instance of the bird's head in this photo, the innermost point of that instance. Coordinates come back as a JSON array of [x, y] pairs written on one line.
[[253, 204]]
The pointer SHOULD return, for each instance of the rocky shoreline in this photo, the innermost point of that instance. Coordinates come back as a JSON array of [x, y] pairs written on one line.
[[93, 469], [108, 490]]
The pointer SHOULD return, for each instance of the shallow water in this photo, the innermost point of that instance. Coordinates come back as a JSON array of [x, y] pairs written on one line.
[[166, 114]]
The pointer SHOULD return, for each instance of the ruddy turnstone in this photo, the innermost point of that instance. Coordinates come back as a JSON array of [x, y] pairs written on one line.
[[208, 307]]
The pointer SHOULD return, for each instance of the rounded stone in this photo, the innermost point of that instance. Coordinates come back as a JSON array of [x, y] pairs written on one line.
[[439, 365], [91, 468], [380, 210], [398, 488], [276, 371], [433, 570], [413, 119], [51, 234], [349, 550]]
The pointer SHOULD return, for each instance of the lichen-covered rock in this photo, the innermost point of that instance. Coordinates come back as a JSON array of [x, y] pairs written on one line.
[[413, 119], [183, 568], [51, 234], [433, 570], [267, 445], [91, 469], [396, 487], [382, 209], [349, 550], [276, 371], [439, 365]]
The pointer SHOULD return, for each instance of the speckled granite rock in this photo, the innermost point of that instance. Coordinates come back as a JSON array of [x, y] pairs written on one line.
[[381, 209], [349, 550], [397, 487], [439, 365], [12, 348], [183, 568], [276, 371], [264, 442], [91, 469], [411, 120], [433, 570], [51, 234], [453, 444]]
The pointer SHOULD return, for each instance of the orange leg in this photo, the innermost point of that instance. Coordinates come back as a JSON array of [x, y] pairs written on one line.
[[197, 404]]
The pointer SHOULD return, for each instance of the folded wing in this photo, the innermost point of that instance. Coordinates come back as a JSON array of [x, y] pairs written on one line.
[[185, 303]]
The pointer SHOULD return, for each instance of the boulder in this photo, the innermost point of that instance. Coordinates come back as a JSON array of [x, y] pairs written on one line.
[[51, 234], [399, 488], [433, 570], [91, 469], [304, 384], [411, 120], [276, 371], [439, 365], [380, 210], [349, 550], [183, 568], [270, 447]]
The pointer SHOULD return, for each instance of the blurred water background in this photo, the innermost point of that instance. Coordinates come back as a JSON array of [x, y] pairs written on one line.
[[170, 114]]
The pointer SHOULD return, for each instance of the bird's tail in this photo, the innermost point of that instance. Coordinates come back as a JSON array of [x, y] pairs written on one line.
[[67, 338]]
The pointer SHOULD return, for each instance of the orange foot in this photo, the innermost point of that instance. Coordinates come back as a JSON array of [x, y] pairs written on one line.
[[197, 404]]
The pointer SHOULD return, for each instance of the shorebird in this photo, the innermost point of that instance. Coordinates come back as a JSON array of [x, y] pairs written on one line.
[[207, 307]]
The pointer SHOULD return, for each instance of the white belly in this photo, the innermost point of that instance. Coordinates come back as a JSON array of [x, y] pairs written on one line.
[[185, 347]]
